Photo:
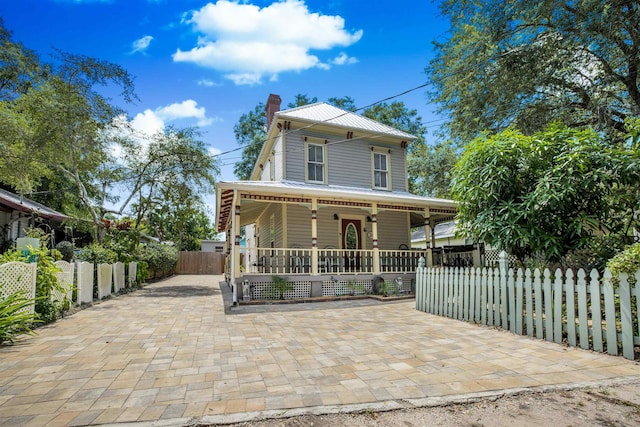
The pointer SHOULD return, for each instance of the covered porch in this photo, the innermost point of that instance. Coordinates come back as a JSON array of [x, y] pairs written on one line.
[[324, 236]]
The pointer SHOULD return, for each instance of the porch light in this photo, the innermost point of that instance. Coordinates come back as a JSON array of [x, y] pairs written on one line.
[[368, 218], [335, 216]]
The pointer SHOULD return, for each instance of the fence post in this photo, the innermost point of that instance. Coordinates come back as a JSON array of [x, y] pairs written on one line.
[[503, 262], [421, 285]]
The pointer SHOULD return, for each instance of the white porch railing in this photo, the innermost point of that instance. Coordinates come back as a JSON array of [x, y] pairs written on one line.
[[269, 261]]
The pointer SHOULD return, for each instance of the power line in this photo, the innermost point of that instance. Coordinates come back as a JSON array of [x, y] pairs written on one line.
[[413, 89]]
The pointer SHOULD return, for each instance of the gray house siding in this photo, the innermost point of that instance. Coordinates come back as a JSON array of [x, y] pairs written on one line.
[[264, 226], [348, 162], [391, 233], [298, 226], [393, 229], [295, 157]]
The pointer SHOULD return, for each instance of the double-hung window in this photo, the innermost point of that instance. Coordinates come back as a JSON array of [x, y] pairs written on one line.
[[315, 163], [380, 170]]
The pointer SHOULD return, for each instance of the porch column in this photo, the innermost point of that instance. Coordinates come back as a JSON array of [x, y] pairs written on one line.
[[314, 237], [235, 250], [428, 241], [374, 232]]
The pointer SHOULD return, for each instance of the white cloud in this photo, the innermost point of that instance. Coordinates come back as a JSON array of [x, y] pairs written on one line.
[[343, 59], [148, 123], [141, 44], [248, 42], [153, 121], [214, 151], [208, 83]]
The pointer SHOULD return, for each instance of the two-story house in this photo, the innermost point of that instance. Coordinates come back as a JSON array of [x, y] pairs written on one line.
[[327, 203]]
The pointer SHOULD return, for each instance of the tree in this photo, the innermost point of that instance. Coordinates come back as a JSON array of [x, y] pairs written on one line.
[[346, 103], [181, 217], [528, 63], [548, 193], [398, 116], [430, 169], [250, 133], [302, 99], [20, 67], [57, 130]]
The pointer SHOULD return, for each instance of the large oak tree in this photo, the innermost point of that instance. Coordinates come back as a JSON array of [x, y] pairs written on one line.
[[528, 63]]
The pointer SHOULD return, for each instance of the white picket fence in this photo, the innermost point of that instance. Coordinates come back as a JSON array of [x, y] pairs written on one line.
[[589, 311]]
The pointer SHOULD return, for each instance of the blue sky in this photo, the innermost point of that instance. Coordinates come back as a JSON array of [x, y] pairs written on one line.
[[206, 63]]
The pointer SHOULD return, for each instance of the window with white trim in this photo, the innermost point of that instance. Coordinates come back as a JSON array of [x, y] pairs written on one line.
[[380, 170], [315, 163]]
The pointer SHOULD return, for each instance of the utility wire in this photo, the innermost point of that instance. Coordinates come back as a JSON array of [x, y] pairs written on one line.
[[405, 92]]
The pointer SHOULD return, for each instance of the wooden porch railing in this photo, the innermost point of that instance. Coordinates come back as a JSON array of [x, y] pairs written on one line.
[[269, 261]]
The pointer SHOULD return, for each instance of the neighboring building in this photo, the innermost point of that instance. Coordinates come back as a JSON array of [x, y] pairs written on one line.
[[327, 197], [218, 246], [444, 234], [17, 214], [447, 249]]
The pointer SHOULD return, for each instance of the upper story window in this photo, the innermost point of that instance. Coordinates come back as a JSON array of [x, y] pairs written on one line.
[[316, 163], [381, 170]]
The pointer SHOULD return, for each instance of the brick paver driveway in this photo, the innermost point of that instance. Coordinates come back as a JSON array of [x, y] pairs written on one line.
[[170, 352]]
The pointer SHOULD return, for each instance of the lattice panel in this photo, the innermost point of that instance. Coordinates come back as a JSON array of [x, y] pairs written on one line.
[[133, 273], [18, 277], [105, 272], [65, 280], [85, 283], [267, 290], [118, 276], [491, 257], [346, 287]]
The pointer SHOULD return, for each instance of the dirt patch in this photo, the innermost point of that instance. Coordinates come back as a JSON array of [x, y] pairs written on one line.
[[605, 406]]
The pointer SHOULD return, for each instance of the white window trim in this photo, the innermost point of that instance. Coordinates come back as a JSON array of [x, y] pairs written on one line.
[[325, 167], [272, 168], [387, 154]]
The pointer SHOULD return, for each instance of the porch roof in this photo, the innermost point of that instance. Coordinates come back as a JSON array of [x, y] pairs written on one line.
[[13, 202], [296, 192]]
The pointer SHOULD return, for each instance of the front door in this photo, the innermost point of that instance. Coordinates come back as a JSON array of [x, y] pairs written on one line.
[[352, 242]]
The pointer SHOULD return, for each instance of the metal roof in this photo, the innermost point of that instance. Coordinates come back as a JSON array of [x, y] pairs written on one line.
[[445, 229], [322, 112], [22, 204]]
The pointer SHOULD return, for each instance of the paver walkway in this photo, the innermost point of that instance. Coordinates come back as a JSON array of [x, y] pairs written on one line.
[[170, 352]]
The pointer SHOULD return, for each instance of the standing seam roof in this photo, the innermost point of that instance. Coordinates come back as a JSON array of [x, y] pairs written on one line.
[[325, 113]]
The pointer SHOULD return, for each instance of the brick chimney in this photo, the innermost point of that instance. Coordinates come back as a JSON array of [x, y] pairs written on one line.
[[273, 105]]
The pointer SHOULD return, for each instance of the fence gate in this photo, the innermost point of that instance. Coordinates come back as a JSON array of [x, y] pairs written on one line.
[[200, 263]]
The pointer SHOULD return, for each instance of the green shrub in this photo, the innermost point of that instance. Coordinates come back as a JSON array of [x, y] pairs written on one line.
[[161, 259], [279, 287], [66, 249], [122, 240], [627, 261], [47, 311], [97, 254], [46, 280], [142, 272], [15, 318]]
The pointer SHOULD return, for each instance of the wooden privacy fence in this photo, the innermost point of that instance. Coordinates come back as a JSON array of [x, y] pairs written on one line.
[[200, 263], [590, 311]]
